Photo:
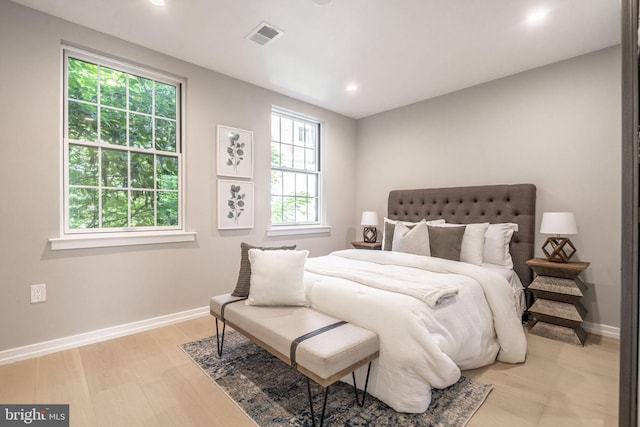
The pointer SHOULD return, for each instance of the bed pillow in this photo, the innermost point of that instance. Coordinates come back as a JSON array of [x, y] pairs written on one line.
[[244, 276], [445, 242], [388, 232], [389, 227], [496, 244], [472, 249], [412, 240], [277, 277]]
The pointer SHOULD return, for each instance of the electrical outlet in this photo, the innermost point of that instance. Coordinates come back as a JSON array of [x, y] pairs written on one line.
[[38, 293]]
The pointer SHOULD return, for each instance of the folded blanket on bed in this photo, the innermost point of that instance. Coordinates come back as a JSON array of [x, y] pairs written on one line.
[[386, 278], [438, 296]]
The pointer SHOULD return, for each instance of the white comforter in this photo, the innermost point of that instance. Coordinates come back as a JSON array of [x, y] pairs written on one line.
[[420, 346]]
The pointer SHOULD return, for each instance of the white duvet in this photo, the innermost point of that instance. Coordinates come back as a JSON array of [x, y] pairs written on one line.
[[434, 317]]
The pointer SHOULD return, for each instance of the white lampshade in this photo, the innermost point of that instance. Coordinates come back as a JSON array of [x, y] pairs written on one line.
[[369, 218], [558, 223]]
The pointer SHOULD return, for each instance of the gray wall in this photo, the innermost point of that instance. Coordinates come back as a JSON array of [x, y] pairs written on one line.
[[557, 127], [97, 288]]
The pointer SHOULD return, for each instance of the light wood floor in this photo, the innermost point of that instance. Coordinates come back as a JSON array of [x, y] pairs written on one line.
[[559, 385], [145, 379]]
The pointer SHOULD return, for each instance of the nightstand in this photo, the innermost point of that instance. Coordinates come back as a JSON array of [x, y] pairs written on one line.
[[365, 245], [557, 309]]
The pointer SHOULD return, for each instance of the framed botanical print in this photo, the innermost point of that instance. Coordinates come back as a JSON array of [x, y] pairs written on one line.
[[235, 204], [235, 152]]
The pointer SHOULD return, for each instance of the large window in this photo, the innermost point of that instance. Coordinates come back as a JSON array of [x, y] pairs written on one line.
[[295, 169], [122, 147]]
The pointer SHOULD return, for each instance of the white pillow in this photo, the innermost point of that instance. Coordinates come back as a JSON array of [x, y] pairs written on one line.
[[388, 227], [496, 244], [277, 277], [411, 240], [472, 248]]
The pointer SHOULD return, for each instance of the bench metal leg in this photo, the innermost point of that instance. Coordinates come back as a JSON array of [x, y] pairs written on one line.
[[355, 389], [326, 394], [220, 340], [324, 405]]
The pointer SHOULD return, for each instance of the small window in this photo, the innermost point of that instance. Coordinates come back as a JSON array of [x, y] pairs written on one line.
[[122, 147], [295, 169]]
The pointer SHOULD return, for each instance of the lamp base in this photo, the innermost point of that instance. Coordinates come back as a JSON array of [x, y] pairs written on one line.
[[554, 249], [370, 234]]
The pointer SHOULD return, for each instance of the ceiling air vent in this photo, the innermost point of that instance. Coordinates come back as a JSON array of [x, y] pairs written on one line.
[[264, 33]]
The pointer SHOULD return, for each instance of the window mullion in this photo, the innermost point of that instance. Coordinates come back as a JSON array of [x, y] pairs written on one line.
[[123, 148], [285, 169]]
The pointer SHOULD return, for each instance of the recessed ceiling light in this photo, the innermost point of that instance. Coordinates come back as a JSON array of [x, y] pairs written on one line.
[[157, 2], [537, 16], [352, 88], [321, 2]]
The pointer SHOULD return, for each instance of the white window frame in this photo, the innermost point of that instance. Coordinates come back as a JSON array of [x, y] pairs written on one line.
[[105, 237], [319, 226]]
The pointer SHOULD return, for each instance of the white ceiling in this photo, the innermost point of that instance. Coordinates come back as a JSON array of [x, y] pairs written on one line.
[[396, 51]]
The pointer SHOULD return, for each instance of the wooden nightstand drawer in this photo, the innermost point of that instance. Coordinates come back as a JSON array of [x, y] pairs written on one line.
[[558, 313], [558, 288]]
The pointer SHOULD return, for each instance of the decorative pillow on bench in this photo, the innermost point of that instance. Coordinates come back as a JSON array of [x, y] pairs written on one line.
[[244, 277], [277, 277]]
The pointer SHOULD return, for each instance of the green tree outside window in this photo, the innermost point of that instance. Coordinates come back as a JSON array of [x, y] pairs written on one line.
[[122, 148]]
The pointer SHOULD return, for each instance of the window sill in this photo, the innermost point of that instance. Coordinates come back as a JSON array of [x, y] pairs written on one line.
[[87, 241], [290, 230]]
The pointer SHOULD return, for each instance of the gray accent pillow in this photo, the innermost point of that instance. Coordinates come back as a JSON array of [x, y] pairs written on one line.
[[244, 276], [389, 228], [445, 242], [411, 240]]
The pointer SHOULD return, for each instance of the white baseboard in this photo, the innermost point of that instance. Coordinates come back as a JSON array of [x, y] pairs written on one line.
[[599, 329], [47, 347]]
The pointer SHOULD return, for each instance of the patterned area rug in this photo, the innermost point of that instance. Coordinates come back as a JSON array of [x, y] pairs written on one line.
[[274, 394]]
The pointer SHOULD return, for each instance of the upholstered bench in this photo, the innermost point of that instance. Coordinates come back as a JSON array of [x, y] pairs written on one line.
[[320, 347]]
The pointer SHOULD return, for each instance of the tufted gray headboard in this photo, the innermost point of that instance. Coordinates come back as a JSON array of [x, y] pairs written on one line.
[[487, 203]]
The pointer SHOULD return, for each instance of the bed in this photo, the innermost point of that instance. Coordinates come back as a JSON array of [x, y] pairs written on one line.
[[434, 316]]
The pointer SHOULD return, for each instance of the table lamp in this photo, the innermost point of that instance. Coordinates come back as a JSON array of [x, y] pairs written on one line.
[[555, 248], [369, 221]]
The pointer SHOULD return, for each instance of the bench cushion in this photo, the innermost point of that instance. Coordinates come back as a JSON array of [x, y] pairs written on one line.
[[325, 354]]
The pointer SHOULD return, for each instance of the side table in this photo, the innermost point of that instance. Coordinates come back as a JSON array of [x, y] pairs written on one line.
[[366, 245], [557, 309]]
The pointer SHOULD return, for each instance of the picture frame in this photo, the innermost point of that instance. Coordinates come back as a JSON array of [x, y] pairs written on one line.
[[235, 152], [235, 204]]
